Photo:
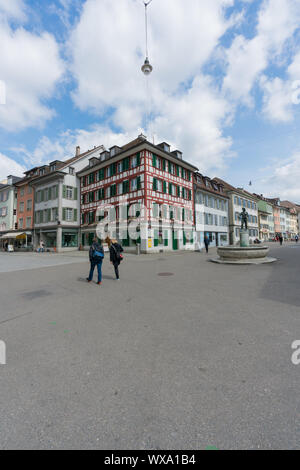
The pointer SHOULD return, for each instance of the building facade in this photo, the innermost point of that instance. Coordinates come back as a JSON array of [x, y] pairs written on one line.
[[8, 211], [265, 220], [144, 186], [239, 199], [57, 202], [211, 212]]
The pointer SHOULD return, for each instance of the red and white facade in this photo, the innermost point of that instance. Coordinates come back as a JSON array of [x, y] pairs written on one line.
[[148, 186]]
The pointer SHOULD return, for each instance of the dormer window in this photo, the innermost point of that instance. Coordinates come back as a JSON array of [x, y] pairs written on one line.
[[53, 167], [71, 171]]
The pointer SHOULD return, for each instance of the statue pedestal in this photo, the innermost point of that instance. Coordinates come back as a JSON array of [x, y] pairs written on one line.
[[244, 238]]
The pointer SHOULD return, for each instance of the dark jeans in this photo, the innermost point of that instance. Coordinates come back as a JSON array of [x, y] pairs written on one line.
[[206, 247], [116, 266], [99, 267]]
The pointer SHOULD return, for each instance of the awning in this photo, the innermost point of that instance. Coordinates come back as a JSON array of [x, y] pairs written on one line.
[[13, 235]]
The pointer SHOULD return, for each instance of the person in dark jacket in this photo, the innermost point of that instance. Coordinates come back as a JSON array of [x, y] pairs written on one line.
[[115, 251], [206, 243], [96, 259]]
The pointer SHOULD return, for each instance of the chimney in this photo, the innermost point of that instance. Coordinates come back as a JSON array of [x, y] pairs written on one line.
[[77, 151]]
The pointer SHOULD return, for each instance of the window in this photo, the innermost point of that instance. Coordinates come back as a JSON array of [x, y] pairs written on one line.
[[21, 223], [3, 212], [134, 162], [29, 204], [53, 167], [29, 190], [69, 192], [69, 240], [22, 191], [69, 214], [21, 206], [120, 167], [120, 189], [71, 171], [28, 222]]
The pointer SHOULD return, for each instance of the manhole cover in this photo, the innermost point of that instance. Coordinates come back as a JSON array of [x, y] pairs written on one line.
[[165, 274]]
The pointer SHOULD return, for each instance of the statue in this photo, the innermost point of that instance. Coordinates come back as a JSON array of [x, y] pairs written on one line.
[[244, 216]]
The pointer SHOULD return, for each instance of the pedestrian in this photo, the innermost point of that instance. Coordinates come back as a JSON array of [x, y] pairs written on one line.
[[96, 258], [206, 243], [280, 239], [116, 256]]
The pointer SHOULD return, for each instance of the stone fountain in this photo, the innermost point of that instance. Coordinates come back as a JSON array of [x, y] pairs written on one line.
[[245, 253]]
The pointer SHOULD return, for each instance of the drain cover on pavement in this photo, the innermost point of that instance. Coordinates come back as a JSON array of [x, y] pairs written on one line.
[[165, 274]]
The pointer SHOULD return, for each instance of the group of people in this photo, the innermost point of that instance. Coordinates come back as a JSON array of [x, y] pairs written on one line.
[[96, 255]]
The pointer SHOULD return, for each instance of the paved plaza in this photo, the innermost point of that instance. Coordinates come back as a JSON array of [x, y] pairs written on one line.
[[180, 354]]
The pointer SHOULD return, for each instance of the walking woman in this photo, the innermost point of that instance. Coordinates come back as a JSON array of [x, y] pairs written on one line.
[[96, 258], [116, 257]]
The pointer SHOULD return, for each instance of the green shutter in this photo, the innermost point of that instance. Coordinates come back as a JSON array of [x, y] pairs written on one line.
[[164, 164], [82, 221], [154, 160], [183, 215], [138, 182], [154, 184], [169, 165], [75, 215], [138, 159], [170, 188], [35, 217], [41, 217], [126, 164], [177, 170], [64, 191], [164, 187], [42, 195], [49, 215], [75, 193], [64, 214], [56, 191], [178, 191]]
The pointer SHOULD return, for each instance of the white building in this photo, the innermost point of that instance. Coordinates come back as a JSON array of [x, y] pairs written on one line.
[[211, 211], [57, 202]]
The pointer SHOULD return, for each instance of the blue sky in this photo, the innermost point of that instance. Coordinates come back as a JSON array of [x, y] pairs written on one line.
[[224, 88]]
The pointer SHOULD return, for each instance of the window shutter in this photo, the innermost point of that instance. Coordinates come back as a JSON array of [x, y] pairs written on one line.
[[164, 187], [35, 217], [42, 195], [190, 194], [183, 215], [56, 191], [164, 164], [75, 193], [75, 215], [178, 191], [49, 215], [64, 214], [170, 188], [154, 184], [138, 159], [138, 182], [154, 160], [177, 170], [169, 164], [41, 217], [64, 191]]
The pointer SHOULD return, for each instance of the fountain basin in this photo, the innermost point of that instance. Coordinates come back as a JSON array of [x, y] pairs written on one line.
[[243, 255]]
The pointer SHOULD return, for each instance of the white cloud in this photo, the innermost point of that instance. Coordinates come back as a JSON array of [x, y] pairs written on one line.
[[30, 67], [283, 179], [9, 167], [12, 9], [248, 58], [107, 51]]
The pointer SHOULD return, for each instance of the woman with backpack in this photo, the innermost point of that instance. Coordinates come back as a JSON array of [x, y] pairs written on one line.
[[115, 250], [96, 259]]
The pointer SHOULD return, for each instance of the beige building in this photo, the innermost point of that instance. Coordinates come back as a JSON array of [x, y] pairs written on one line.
[[239, 199]]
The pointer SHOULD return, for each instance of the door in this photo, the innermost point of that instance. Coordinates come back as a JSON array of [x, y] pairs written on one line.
[[175, 240]]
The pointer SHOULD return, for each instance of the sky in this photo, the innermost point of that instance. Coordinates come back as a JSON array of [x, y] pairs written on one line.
[[225, 86]]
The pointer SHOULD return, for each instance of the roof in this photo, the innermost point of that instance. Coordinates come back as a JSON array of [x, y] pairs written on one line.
[[199, 180], [229, 187], [141, 140]]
